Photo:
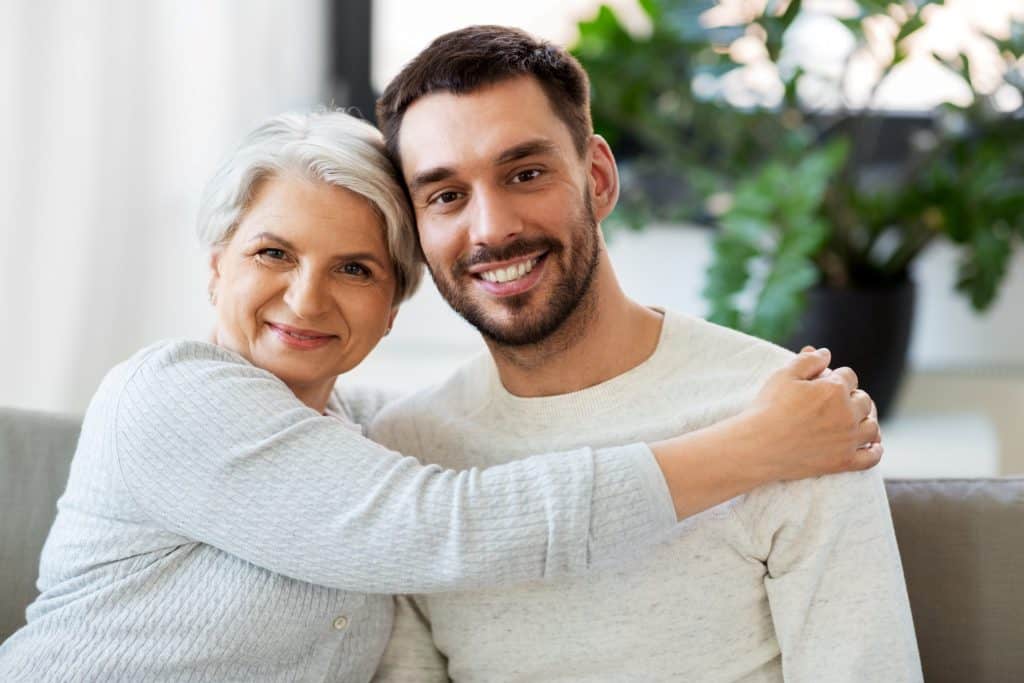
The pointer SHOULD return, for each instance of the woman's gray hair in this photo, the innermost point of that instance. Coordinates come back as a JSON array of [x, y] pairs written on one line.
[[328, 146]]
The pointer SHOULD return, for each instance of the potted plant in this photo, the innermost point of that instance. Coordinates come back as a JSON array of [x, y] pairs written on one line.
[[816, 231]]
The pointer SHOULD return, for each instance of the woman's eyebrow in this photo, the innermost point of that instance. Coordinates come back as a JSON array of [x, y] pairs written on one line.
[[358, 256], [271, 236]]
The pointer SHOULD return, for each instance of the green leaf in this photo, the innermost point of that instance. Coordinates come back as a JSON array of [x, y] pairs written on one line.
[[804, 239], [783, 299], [792, 10], [652, 8], [983, 267], [855, 26], [911, 25]]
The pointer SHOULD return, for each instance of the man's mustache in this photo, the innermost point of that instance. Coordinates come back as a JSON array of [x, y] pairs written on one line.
[[505, 252]]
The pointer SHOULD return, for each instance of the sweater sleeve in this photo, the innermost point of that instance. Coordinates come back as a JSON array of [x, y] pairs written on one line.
[[221, 452], [834, 579]]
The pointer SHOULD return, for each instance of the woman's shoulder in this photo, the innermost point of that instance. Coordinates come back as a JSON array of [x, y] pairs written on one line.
[[170, 352], [170, 369]]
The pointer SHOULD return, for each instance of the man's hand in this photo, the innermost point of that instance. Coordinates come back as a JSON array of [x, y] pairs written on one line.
[[816, 421]]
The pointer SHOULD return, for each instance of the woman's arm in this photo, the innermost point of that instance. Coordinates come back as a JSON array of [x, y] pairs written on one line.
[[222, 452]]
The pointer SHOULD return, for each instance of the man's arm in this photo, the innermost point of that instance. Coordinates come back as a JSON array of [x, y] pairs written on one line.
[[835, 582], [411, 656]]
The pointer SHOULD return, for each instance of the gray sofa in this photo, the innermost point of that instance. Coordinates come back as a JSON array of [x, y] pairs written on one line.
[[962, 544]]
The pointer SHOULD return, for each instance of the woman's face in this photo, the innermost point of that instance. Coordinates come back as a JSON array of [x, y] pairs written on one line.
[[305, 287]]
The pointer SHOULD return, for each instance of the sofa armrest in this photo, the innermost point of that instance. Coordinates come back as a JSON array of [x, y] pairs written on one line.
[[35, 455], [962, 546]]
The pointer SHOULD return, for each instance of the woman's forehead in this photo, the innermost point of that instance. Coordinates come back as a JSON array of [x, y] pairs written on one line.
[[312, 214]]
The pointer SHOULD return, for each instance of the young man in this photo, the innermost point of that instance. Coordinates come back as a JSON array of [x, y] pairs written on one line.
[[798, 580]]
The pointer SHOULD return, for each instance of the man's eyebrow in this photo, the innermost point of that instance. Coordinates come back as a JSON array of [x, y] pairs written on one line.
[[271, 236], [526, 149], [428, 177], [521, 151]]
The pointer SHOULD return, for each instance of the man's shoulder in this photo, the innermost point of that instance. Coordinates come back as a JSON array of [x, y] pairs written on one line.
[[706, 346], [857, 497]]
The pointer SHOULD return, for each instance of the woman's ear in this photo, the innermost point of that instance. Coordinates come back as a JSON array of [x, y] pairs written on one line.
[[603, 175], [391, 320], [214, 262]]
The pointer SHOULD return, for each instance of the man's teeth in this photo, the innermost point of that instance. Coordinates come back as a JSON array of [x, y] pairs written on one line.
[[513, 272]]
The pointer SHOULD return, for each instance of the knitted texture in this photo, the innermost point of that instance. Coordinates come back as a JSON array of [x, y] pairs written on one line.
[[215, 528], [798, 581]]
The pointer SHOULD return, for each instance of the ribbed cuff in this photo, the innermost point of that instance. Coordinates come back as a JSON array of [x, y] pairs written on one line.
[[631, 507]]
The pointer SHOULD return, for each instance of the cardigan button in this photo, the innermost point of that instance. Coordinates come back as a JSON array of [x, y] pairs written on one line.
[[340, 624]]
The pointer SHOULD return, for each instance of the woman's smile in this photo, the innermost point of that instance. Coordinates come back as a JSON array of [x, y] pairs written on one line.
[[299, 338]]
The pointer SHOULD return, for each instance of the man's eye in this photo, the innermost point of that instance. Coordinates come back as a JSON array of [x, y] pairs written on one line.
[[526, 176], [446, 197]]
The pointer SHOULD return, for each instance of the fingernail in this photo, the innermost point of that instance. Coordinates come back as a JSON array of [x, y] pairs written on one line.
[[823, 351]]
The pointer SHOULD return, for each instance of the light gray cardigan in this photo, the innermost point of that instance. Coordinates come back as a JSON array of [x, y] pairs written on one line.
[[215, 528]]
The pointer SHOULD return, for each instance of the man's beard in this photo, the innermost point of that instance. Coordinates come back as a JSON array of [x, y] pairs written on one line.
[[523, 330]]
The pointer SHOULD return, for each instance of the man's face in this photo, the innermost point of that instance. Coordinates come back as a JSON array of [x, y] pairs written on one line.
[[503, 207]]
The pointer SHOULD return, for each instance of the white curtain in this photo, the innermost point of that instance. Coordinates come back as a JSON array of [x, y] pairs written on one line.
[[113, 115]]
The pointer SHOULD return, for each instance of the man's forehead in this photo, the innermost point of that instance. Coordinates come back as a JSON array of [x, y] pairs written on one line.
[[447, 129]]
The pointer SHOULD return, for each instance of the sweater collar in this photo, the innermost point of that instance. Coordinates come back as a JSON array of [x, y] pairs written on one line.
[[605, 397]]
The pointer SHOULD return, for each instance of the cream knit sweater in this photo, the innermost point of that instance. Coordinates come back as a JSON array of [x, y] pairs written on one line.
[[796, 581]]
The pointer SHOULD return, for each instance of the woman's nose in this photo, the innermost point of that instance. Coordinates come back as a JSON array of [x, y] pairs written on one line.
[[307, 295]]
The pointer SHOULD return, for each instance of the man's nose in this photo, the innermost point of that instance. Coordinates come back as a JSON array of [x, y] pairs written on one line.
[[493, 219], [307, 295]]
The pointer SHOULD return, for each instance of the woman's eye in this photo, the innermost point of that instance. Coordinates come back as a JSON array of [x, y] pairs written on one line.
[[357, 269], [525, 176], [272, 254]]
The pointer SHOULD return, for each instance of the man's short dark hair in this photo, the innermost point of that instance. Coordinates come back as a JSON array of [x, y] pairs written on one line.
[[471, 58]]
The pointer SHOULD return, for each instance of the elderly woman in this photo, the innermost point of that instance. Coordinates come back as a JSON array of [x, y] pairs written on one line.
[[225, 519]]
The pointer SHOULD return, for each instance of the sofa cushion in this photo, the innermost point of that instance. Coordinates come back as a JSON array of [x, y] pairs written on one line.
[[35, 454], [962, 546]]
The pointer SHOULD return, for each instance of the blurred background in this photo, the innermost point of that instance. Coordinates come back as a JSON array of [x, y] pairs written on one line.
[[781, 162]]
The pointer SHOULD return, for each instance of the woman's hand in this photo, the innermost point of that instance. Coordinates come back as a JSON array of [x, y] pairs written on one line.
[[814, 421], [806, 421]]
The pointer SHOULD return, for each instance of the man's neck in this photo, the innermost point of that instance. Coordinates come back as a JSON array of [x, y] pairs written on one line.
[[608, 334]]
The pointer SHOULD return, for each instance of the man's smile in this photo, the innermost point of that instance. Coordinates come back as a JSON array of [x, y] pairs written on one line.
[[508, 278]]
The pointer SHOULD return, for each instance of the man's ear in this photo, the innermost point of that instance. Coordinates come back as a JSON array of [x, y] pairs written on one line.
[[603, 174]]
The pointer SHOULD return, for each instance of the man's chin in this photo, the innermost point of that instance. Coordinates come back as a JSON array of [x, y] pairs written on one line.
[[515, 328]]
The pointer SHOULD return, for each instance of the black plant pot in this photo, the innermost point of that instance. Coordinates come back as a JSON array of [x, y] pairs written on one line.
[[866, 329]]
